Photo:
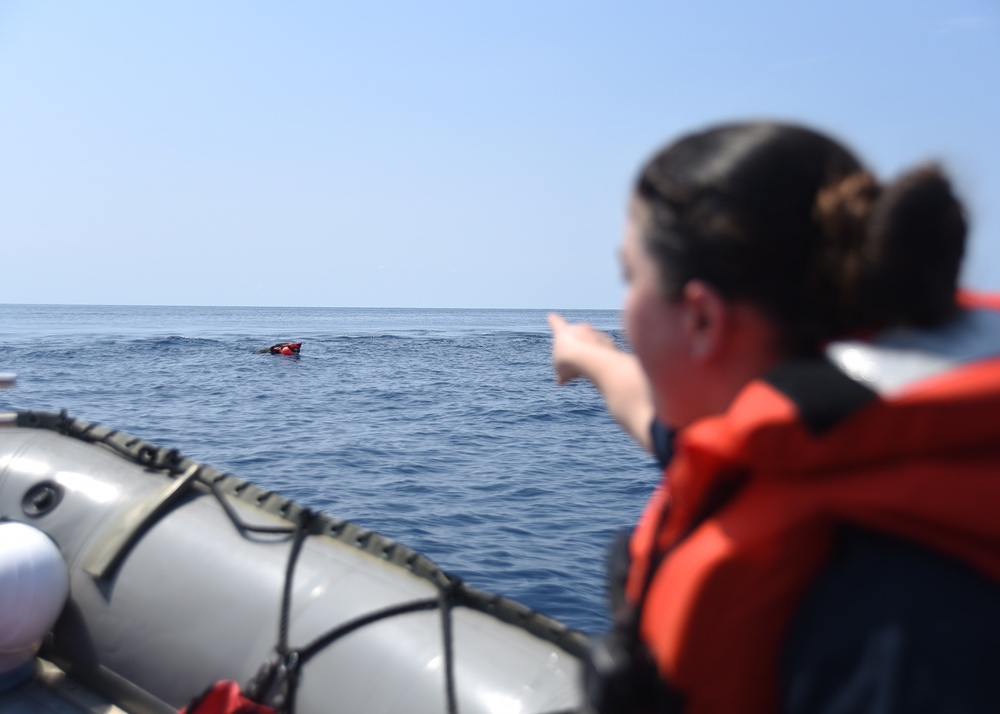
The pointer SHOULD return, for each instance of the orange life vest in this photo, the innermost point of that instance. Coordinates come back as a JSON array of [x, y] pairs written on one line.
[[922, 464]]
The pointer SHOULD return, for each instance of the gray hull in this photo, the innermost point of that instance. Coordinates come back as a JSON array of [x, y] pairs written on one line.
[[152, 622]]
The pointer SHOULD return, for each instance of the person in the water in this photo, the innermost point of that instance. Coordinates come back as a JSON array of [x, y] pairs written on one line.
[[282, 348]]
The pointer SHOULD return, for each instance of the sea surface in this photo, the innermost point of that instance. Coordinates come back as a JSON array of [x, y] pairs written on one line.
[[442, 429]]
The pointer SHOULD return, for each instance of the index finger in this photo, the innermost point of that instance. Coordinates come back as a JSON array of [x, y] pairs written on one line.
[[556, 322]]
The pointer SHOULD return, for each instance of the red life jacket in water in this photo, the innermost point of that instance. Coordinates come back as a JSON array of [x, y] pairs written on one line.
[[921, 462], [286, 348]]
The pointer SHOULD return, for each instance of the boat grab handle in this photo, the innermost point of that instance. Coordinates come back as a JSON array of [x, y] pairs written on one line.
[[115, 543]]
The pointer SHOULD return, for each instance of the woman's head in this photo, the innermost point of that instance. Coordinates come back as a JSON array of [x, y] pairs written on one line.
[[735, 207], [785, 227]]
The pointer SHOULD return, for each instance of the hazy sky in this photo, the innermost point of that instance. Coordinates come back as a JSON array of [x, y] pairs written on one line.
[[433, 154]]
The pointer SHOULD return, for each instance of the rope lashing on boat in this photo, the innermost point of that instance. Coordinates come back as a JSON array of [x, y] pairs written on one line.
[[226, 488], [287, 663], [234, 517], [278, 679], [114, 544]]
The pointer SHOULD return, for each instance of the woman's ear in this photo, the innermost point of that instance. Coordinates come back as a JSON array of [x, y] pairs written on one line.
[[707, 320]]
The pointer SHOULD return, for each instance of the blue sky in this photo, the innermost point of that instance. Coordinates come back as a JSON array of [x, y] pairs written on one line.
[[434, 154]]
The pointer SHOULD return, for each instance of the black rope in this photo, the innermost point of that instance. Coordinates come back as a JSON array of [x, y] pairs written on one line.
[[288, 662], [305, 517], [313, 648], [446, 600], [303, 655], [239, 523]]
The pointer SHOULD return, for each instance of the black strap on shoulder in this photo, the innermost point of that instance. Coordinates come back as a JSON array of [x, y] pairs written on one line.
[[823, 395], [662, 441]]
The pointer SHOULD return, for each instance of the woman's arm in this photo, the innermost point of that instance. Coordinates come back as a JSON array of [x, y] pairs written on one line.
[[579, 350]]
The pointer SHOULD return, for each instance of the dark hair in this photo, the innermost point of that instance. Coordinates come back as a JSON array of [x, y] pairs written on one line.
[[913, 253], [788, 219]]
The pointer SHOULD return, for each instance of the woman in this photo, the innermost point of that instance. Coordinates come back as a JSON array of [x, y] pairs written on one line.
[[796, 484]]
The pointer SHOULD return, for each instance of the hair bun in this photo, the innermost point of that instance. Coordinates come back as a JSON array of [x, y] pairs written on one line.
[[913, 251]]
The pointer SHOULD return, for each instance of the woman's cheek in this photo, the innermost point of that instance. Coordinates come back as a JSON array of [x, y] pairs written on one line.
[[641, 327], [633, 322]]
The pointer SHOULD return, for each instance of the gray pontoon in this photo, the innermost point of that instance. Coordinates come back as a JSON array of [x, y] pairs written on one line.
[[176, 579]]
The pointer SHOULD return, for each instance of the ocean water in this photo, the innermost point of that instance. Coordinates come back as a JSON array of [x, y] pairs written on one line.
[[442, 429]]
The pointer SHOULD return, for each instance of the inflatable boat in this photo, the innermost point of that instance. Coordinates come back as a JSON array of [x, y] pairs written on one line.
[[181, 576]]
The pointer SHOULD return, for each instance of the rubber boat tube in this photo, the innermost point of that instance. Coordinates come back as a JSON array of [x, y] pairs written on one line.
[[168, 596]]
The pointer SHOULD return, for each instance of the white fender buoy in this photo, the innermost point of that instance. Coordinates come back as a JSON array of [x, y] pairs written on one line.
[[34, 584]]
